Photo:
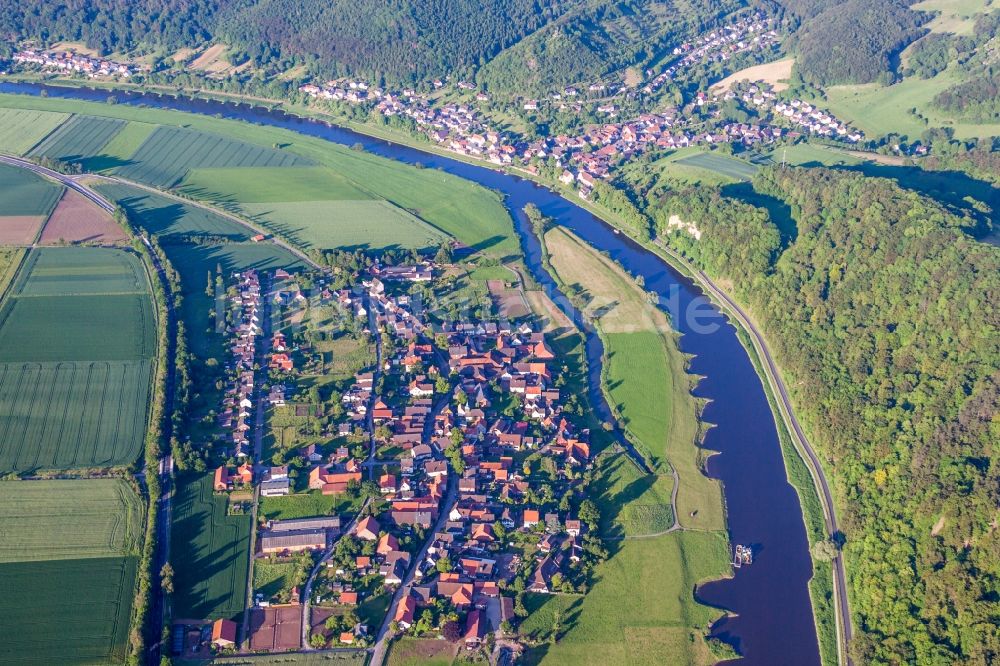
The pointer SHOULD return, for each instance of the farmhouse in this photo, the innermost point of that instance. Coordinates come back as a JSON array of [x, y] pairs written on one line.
[[224, 633]]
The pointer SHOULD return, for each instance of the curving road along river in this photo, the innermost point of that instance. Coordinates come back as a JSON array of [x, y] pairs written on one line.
[[771, 621]]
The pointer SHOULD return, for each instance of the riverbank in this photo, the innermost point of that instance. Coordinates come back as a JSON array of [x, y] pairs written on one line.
[[751, 463], [645, 378]]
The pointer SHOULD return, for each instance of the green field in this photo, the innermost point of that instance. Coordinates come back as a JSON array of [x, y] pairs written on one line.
[[645, 376], [68, 561], [24, 193], [20, 130], [269, 184], [812, 155], [81, 271], [304, 505], [349, 224], [878, 110], [75, 360], [120, 149], [632, 503], [64, 415], [67, 611], [640, 608], [467, 211], [725, 165], [161, 216], [169, 153], [78, 138], [210, 552], [68, 519]]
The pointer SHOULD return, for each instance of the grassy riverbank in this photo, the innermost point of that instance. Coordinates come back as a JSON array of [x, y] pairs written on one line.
[[648, 386], [645, 377]]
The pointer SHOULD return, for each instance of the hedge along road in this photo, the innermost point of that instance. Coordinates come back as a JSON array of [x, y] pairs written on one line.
[[772, 622]]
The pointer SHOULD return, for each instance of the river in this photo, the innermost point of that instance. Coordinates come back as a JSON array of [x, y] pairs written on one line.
[[772, 622]]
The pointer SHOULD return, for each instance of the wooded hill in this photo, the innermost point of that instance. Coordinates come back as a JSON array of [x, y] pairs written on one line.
[[881, 311]]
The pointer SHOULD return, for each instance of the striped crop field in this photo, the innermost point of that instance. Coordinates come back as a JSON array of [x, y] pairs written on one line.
[[723, 164], [165, 158], [169, 219], [68, 562], [21, 129], [209, 550], [105, 519], [369, 224], [77, 338], [78, 138]]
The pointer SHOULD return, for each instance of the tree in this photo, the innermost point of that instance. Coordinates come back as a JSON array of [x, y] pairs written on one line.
[[451, 631], [589, 513], [825, 550], [318, 641], [443, 565], [167, 578]]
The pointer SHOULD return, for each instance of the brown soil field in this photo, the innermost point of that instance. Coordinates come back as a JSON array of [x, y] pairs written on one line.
[[276, 629], [76, 220], [510, 302], [19, 229], [773, 72]]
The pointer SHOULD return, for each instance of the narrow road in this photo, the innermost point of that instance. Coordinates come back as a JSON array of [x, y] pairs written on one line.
[[778, 389], [382, 641], [258, 441], [307, 588]]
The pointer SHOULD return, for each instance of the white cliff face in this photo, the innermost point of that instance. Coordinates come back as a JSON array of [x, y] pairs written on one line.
[[675, 222]]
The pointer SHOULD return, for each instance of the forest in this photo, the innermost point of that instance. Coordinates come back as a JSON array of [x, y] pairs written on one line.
[[396, 42], [851, 41], [111, 25], [881, 313]]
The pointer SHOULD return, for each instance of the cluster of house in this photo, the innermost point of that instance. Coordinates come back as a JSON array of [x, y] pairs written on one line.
[[591, 155], [69, 61], [494, 364], [754, 32], [797, 112], [237, 403]]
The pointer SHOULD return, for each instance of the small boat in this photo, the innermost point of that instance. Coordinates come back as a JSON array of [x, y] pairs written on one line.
[[743, 555], [616, 231]]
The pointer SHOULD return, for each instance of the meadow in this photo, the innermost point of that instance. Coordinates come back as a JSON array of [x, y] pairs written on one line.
[[210, 552], [657, 576], [878, 110], [469, 212], [78, 138], [304, 505], [20, 129], [410, 651], [269, 184], [68, 564], [632, 503], [77, 335], [24, 193], [645, 377]]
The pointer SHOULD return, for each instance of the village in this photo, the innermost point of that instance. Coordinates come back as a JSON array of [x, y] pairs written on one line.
[[70, 61], [460, 472], [587, 158]]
